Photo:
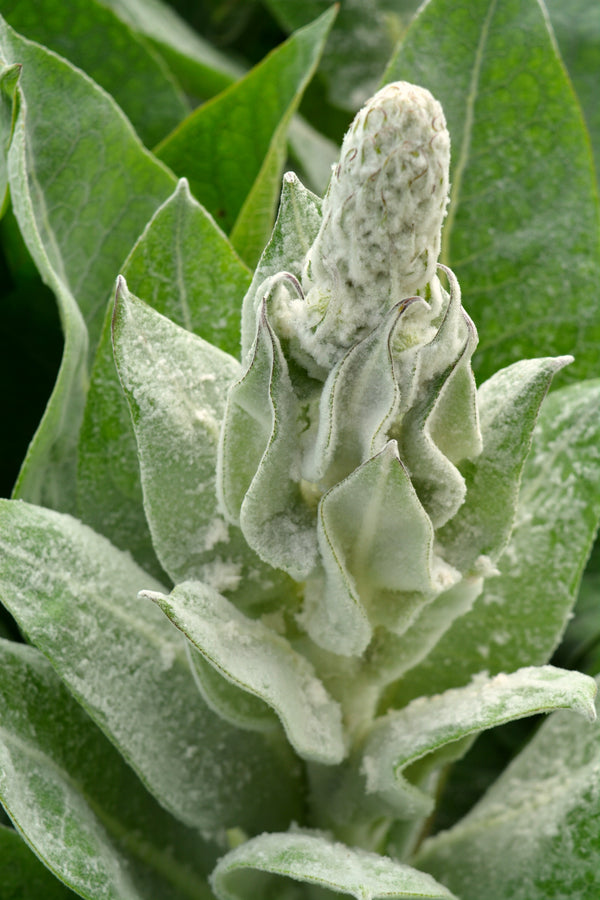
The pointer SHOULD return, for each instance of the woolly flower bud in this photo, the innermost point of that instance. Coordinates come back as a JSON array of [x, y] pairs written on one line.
[[380, 236]]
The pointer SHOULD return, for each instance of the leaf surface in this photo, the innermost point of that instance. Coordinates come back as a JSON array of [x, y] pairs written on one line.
[[75, 596], [232, 148], [23, 875], [261, 662], [523, 229], [541, 816], [78, 804], [256, 868], [521, 613]]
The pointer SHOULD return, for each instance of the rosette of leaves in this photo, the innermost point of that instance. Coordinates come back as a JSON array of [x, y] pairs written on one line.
[[351, 562]]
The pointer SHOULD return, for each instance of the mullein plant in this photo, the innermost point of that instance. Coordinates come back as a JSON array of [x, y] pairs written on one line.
[[264, 715]]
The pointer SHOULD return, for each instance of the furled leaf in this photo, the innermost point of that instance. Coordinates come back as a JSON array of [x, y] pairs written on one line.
[[184, 266], [53, 152], [131, 72], [534, 834], [75, 597], [256, 868], [522, 612], [232, 148], [176, 384], [258, 660], [522, 233], [23, 875], [78, 804], [295, 229], [259, 460], [429, 723], [508, 403]]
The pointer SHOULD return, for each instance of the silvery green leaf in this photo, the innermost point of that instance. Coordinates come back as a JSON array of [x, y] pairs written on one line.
[[427, 724], [376, 544], [440, 428], [522, 612], [509, 404], [75, 597], [256, 869], [77, 803], [534, 834], [259, 460], [23, 875], [261, 662], [297, 223], [359, 396]]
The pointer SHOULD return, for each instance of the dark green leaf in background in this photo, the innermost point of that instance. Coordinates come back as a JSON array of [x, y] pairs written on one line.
[[522, 232], [232, 148]]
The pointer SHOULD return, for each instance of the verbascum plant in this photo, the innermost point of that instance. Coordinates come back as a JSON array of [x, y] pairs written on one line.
[[328, 510]]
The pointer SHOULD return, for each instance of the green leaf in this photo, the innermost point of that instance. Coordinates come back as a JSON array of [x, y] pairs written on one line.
[[360, 43], [232, 148], [522, 232], [64, 229], [186, 269], [534, 834], [296, 227], [77, 803], [9, 78], [522, 612], [131, 72], [509, 404], [23, 875], [255, 869], [428, 724], [577, 30], [81, 609], [259, 449], [261, 662]]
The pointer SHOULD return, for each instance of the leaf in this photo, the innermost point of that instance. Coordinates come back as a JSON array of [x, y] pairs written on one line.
[[363, 38], [521, 613], [9, 77], [260, 449], [176, 384], [296, 227], [261, 662], [23, 875], [541, 816], [522, 181], [429, 723], [577, 30], [509, 404], [82, 32], [232, 148], [255, 869], [74, 596], [186, 268], [64, 229], [78, 804]]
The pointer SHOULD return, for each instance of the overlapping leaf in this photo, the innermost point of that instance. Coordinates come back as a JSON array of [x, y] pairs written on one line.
[[75, 596], [521, 165], [79, 805]]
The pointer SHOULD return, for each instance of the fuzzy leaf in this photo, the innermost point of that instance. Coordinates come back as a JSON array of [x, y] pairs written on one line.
[[258, 660], [9, 79], [259, 460], [185, 267], [75, 596], [81, 32], [509, 404], [23, 875], [78, 804], [522, 612], [69, 132], [529, 178], [295, 229], [232, 148], [429, 723], [256, 868], [541, 816]]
